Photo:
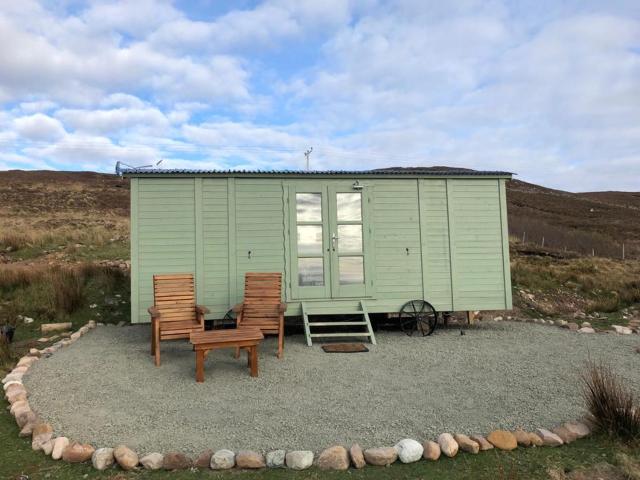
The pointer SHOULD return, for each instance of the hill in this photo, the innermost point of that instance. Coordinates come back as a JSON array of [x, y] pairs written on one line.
[[45, 202]]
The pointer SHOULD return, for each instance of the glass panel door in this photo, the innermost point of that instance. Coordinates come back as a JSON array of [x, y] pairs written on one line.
[[309, 262], [348, 273]]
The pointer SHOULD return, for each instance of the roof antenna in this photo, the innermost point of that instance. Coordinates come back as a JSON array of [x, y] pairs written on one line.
[[306, 155], [120, 164]]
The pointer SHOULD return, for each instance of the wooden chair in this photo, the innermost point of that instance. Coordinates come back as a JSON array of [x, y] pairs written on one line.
[[262, 306], [174, 313]]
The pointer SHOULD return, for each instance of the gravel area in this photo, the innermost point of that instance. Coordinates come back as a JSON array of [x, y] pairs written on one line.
[[106, 390]]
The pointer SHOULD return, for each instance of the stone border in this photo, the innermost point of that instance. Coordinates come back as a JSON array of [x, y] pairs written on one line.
[[584, 327], [333, 458]]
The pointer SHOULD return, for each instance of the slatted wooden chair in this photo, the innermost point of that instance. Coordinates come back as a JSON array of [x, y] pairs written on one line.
[[262, 306], [174, 314]]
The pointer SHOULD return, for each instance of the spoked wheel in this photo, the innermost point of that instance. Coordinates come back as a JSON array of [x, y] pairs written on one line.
[[418, 316]]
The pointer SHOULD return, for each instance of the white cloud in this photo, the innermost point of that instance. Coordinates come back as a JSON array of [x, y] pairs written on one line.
[[39, 127], [114, 120]]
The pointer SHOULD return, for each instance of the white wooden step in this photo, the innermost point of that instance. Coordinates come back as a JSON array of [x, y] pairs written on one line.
[[352, 334], [334, 324]]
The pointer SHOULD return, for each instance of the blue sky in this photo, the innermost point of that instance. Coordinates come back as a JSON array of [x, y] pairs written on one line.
[[547, 89]]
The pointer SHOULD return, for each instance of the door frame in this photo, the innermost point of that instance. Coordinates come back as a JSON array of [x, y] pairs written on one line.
[[331, 289]]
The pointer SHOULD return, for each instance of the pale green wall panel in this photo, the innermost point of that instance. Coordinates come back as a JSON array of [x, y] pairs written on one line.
[[166, 233], [476, 244], [434, 220]]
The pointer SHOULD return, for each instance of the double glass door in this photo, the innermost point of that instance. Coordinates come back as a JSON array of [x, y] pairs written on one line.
[[329, 253]]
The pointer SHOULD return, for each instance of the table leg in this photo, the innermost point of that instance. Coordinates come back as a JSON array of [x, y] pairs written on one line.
[[199, 366], [254, 360], [248, 357]]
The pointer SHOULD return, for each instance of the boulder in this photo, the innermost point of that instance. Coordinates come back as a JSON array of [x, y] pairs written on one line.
[[622, 330], [573, 326], [102, 458], [126, 458], [585, 325], [27, 430], [431, 450], [409, 450], [480, 440], [24, 417], [381, 456], [565, 434], [275, 458], [12, 385], [357, 457], [77, 452], [586, 330], [448, 445], [549, 439], [152, 461], [466, 444], [250, 459], [19, 405], [41, 434], [223, 460], [203, 460], [536, 441], [47, 447], [59, 444], [299, 459], [503, 440], [176, 461], [522, 437], [579, 429], [334, 458]]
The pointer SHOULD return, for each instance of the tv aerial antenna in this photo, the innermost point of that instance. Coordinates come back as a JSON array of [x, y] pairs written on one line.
[[120, 164], [307, 154]]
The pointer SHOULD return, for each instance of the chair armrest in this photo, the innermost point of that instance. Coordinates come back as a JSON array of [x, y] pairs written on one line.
[[282, 308], [201, 309], [238, 307], [154, 312]]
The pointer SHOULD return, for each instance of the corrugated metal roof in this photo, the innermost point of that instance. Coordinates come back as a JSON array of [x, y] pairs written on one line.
[[382, 172]]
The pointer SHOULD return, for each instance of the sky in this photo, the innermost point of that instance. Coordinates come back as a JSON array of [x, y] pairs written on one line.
[[547, 89]]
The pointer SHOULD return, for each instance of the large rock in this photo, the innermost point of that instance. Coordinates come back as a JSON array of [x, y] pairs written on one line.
[[431, 450], [536, 441], [579, 429], [586, 330], [41, 434], [59, 444], [299, 459], [381, 456], [503, 440], [176, 461], [622, 330], [27, 430], [77, 452], [448, 445], [480, 440], [574, 327], [409, 450], [466, 444], [25, 416], [102, 458], [275, 458], [203, 460], [250, 459], [126, 458], [334, 458], [47, 447], [223, 460], [523, 438], [152, 461], [565, 434], [357, 456], [549, 439]]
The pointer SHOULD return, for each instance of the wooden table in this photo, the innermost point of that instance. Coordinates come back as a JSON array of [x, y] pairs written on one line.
[[242, 337]]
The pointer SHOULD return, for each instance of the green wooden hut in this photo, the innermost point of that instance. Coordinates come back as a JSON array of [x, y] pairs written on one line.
[[345, 241]]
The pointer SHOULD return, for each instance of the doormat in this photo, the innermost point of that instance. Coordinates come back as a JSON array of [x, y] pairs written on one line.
[[345, 348]]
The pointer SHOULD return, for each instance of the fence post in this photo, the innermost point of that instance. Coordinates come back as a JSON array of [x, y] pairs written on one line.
[[623, 250], [543, 242], [524, 236], [593, 252]]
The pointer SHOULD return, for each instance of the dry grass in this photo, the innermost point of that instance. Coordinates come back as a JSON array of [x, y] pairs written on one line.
[[606, 285], [629, 466], [611, 404]]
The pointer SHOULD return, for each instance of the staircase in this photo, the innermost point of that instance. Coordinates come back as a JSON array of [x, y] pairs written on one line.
[[365, 322]]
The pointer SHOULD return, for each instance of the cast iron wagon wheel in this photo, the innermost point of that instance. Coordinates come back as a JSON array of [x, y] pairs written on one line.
[[418, 315]]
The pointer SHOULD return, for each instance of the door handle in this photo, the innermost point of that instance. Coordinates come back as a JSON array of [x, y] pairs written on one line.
[[334, 239]]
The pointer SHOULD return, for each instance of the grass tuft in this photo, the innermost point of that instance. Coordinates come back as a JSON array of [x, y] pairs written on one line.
[[610, 403]]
